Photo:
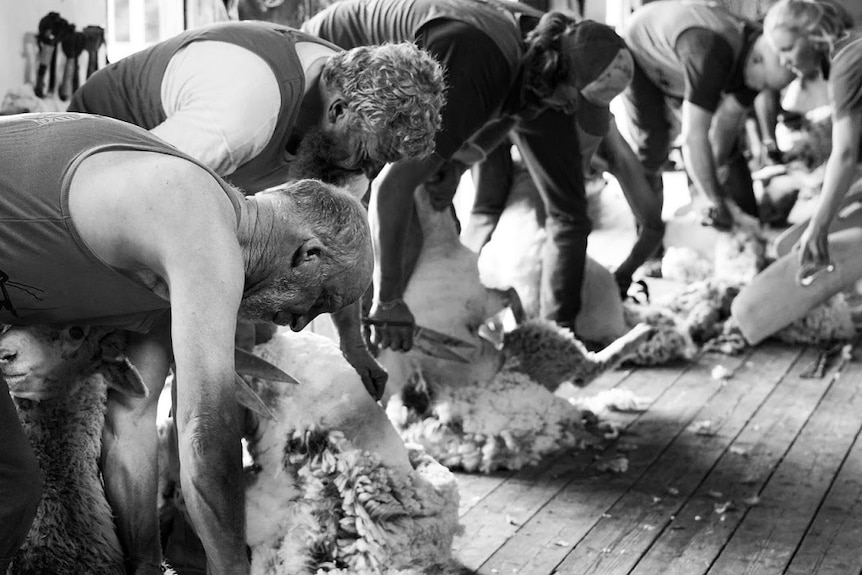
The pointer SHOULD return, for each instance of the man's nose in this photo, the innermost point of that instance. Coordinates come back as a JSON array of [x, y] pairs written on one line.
[[784, 59], [372, 169], [300, 322]]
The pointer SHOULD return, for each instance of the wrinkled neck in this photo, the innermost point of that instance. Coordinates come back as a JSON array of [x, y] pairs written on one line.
[[256, 235]]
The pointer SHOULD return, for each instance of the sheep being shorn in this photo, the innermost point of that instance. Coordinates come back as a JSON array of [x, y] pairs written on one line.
[[551, 355], [669, 341], [445, 294], [481, 416], [507, 423], [59, 380], [331, 487], [513, 259]]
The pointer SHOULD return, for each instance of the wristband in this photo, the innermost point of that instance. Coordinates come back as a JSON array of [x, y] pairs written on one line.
[[387, 305]]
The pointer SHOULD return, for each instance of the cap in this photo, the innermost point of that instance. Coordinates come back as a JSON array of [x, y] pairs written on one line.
[[589, 48]]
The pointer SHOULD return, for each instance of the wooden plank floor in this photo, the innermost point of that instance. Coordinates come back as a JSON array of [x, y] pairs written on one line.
[[760, 473]]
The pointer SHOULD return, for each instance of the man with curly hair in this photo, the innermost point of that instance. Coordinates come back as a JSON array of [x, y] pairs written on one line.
[[538, 87], [261, 104]]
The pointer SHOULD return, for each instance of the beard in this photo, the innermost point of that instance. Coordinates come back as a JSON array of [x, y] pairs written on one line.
[[315, 159], [268, 302]]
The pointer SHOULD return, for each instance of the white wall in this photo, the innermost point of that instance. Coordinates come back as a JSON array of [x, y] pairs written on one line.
[[20, 16]]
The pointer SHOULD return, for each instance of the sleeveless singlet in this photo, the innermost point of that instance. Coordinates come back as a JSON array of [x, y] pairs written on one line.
[[130, 89], [48, 275]]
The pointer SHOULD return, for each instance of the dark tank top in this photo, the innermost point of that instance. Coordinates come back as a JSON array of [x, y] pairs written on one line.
[[48, 275], [130, 89]]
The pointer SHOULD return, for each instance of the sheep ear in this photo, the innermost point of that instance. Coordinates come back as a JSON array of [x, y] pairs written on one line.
[[249, 399], [129, 381], [246, 363]]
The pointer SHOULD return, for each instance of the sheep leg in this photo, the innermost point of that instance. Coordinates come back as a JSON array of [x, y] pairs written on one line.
[[130, 454], [621, 348]]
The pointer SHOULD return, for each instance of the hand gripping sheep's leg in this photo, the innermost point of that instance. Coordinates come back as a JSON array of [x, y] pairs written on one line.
[[429, 341]]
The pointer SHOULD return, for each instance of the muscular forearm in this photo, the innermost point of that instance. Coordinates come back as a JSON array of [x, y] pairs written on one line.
[[836, 181], [347, 322], [700, 165], [707, 140], [211, 476], [840, 167], [766, 108], [390, 214], [389, 217]]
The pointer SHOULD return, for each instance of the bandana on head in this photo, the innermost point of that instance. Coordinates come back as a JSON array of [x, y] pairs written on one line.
[[590, 48]]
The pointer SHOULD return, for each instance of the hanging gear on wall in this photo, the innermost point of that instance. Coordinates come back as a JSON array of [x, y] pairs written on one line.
[[94, 40], [52, 28], [73, 44]]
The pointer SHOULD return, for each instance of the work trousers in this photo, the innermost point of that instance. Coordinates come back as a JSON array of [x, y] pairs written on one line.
[[549, 146]]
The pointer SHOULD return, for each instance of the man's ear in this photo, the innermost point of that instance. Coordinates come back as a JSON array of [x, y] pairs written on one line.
[[335, 110], [758, 58], [309, 253]]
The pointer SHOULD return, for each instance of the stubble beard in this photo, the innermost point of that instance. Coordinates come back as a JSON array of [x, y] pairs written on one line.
[[314, 159]]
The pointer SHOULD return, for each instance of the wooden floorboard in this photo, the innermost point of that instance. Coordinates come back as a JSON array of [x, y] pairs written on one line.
[[761, 473], [569, 514], [617, 543], [474, 488], [771, 531], [701, 528], [479, 543], [832, 544]]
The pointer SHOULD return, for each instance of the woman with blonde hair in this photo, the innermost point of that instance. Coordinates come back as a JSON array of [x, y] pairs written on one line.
[[812, 36]]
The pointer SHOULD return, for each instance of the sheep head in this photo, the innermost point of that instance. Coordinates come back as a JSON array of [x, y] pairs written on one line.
[[39, 362]]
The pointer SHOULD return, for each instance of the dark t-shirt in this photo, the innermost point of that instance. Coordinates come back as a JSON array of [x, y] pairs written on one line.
[[130, 90], [692, 50], [477, 78], [845, 75], [711, 69], [480, 49]]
